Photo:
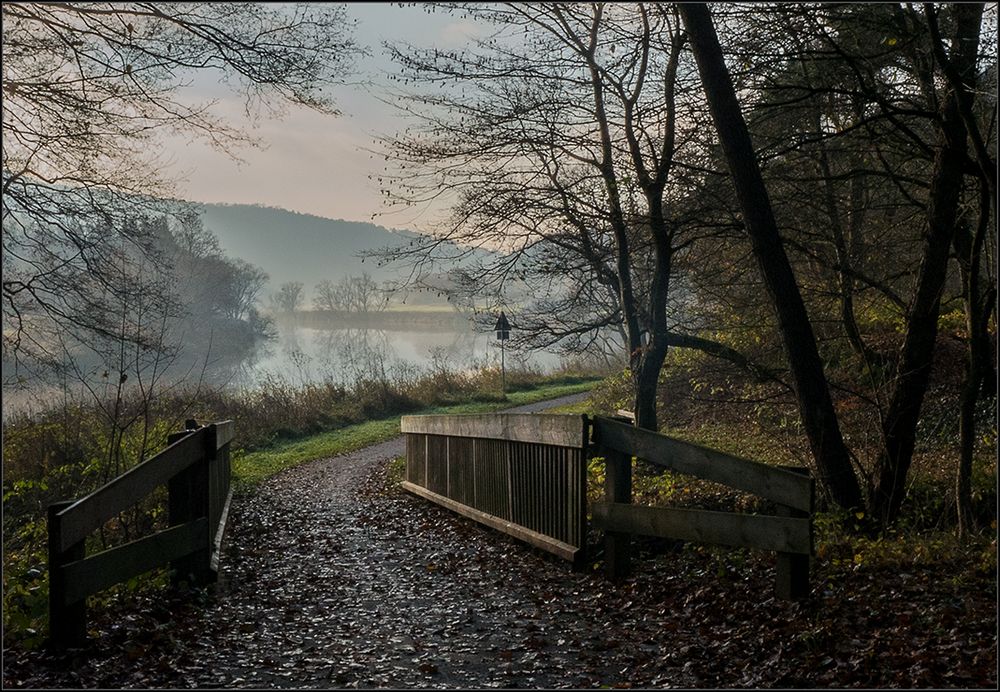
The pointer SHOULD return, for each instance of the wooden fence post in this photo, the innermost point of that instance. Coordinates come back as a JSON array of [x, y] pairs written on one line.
[[188, 499], [578, 488], [67, 623], [792, 569], [617, 488]]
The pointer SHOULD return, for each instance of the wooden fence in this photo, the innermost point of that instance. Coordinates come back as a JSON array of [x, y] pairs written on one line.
[[523, 474], [789, 532], [195, 466]]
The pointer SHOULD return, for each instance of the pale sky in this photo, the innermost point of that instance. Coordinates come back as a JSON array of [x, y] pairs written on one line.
[[312, 163]]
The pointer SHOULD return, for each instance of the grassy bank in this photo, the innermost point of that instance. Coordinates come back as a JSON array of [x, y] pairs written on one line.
[[250, 469]]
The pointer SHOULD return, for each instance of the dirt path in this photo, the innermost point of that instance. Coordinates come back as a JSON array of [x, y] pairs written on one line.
[[333, 577], [336, 579]]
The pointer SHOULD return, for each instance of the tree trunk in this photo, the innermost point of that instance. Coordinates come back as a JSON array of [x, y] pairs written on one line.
[[977, 372], [815, 404], [899, 424]]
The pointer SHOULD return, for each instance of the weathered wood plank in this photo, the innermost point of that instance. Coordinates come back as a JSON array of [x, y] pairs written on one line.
[[437, 464], [617, 492], [90, 512], [225, 431], [189, 498], [542, 428], [791, 571], [782, 534], [769, 482], [98, 572], [563, 550], [67, 622]]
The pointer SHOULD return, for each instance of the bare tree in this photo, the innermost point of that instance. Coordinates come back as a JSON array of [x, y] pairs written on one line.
[[946, 183], [245, 284], [365, 294], [326, 296], [360, 294], [574, 171], [87, 87], [289, 297], [901, 145], [815, 404]]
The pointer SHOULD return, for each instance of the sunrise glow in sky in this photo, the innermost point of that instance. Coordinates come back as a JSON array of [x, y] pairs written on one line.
[[308, 162]]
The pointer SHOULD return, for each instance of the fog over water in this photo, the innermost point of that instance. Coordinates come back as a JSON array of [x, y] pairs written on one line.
[[303, 355]]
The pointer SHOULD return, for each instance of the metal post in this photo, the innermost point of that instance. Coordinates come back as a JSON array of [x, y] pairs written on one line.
[[503, 371]]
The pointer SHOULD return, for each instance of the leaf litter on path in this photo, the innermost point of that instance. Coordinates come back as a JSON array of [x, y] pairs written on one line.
[[334, 577]]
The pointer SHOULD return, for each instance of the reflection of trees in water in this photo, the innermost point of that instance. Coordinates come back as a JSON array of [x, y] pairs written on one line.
[[350, 355], [459, 354], [355, 355], [299, 356]]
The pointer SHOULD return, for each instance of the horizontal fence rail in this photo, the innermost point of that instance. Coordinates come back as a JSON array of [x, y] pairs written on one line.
[[195, 465], [523, 474], [789, 533]]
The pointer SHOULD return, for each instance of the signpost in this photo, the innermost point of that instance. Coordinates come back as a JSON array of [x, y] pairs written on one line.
[[503, 333]]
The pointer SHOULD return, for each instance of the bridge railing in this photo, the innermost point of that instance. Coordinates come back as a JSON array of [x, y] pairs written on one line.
[[196, 468], [791, 489], [523, 474]]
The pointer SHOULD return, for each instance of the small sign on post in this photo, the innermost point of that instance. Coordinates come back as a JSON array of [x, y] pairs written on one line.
[[502, 328]]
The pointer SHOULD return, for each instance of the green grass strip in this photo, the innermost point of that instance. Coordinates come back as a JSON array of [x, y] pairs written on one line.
[[250, 470]]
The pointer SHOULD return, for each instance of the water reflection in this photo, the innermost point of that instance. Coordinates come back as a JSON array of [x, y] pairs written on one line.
[[303, 355], [299, 356]]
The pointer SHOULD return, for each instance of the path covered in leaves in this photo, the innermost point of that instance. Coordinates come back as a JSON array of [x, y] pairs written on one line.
[[335, 578], [333, 581]]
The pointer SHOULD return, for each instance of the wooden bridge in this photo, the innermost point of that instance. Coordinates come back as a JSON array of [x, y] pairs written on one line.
[[525, 475]]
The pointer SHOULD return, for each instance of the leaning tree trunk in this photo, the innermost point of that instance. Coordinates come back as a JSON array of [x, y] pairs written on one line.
[[816, 409], [899, 425]]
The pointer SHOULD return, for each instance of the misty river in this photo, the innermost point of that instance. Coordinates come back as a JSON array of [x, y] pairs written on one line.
[[302, 353], [305, 354]]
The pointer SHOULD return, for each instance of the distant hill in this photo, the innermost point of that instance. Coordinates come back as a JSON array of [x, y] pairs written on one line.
[[299, 247]]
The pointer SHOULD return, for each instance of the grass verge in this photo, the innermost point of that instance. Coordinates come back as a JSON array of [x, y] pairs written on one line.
[[250, 470]]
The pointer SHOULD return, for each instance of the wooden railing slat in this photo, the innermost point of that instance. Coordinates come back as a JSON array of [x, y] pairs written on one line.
[[90, 512], [541, 428], [535, 538], [782, 534], [506, 468], [98, 572], [196, 467], [769, 482], [224, 432]]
